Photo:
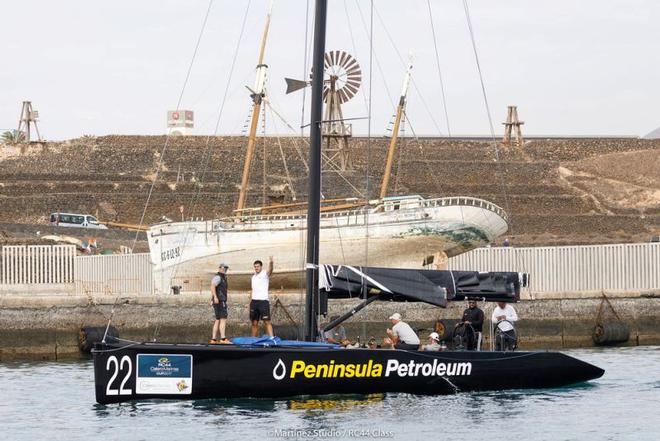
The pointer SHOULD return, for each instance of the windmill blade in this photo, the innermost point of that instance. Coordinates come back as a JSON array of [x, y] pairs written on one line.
[[351, 89], [293, 85], [344, 71], [343, 97]]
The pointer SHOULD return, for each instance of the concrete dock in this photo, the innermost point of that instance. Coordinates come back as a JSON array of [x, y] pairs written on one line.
[[47, 327]]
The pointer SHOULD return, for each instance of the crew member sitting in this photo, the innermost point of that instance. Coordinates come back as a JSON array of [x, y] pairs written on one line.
[[473, 316], [401, 335], [503, 317], [336, 335], [433, 343]]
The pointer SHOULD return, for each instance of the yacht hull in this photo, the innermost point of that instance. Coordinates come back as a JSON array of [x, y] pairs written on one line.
[[124, 372]]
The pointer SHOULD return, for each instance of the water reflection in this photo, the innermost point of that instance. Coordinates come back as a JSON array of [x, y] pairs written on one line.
[[62, 394], [339, 403]]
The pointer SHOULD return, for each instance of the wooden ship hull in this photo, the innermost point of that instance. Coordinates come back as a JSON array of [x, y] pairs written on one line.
[[400, 233]]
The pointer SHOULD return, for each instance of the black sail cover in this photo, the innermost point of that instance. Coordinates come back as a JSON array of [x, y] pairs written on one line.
[[434, 287]]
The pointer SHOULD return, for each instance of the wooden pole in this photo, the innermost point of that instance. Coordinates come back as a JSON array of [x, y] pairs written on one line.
[[395, 134], [257, 97]]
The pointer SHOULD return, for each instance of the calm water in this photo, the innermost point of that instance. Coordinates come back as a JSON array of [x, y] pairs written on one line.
[[55, 400]]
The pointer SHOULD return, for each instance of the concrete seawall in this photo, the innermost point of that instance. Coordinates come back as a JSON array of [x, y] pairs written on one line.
[[47, 327]]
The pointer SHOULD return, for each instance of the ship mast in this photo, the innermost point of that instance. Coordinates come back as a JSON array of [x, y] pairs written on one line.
[[258, 94], [401, 108], [314, 204]]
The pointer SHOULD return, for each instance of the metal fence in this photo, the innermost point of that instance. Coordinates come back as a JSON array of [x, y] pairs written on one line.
[[37, 264], [48, 269], [116, 274], [620, 267]]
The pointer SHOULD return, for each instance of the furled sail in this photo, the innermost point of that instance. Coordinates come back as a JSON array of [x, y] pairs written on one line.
[[429, 286]]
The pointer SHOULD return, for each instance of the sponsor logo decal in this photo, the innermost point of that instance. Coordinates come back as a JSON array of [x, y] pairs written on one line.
[[371, 369], [164, 374], [279, 371], [181, 385]]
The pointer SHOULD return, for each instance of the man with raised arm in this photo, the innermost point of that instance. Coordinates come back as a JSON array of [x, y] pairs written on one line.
[[259, 305]]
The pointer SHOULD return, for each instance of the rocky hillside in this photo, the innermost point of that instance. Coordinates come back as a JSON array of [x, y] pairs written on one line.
[[557, 191]]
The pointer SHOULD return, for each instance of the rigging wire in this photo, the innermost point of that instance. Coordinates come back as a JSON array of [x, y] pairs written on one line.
[[264, 159], [373, 52], [161, 159], [437, 60], [220, 110], [286, 166], [269, 102], [500, 173], [412, 79], [367, 190], [303, 243]]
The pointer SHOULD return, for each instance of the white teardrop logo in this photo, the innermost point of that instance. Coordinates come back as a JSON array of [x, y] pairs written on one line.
[[279, 371]]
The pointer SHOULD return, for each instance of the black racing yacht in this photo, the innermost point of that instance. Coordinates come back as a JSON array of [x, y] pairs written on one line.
[[270, 367]]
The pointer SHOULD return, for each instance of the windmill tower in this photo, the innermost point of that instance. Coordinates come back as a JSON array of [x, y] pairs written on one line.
[[28, 120], [342, 79], [512, 128]]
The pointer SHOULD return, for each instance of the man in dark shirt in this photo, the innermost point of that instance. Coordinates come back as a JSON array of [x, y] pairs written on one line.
[[474, 317], [219, 303]]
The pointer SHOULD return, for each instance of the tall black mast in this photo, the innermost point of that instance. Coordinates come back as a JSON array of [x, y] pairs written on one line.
[[314, 197]]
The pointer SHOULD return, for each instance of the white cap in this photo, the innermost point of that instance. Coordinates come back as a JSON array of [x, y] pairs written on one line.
[[434, 336], [395, 316]]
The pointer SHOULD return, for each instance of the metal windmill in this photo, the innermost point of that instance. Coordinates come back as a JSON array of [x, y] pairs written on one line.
[[342, 79]]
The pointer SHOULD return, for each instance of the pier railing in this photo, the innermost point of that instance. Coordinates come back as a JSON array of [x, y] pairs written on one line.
[[51, 265], [58, 270], [116, 274], [55, 269], [618, 267]]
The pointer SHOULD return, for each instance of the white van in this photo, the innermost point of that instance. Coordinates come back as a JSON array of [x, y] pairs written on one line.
[[75, 220]]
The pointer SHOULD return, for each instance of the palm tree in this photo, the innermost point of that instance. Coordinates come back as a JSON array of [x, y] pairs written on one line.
[[13, 137]]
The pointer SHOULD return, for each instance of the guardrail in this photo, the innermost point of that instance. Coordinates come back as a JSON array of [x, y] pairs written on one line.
[[37, 264], [618, 267], [115, 274], [56, 269]]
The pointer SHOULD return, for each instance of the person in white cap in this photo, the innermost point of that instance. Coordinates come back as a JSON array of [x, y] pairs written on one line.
[[401, 335], [433, 342]]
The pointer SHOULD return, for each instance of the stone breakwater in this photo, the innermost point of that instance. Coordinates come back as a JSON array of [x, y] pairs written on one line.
[[34, 327], [557, 191]]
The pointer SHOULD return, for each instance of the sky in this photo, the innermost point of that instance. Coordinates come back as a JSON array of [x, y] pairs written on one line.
[[587, 67]]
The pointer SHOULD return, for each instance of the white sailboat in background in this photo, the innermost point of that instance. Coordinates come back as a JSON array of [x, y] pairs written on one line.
[[400, 231]]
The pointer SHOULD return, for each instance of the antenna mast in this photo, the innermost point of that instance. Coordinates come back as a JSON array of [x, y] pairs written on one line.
[[258, 94], [400, 109]]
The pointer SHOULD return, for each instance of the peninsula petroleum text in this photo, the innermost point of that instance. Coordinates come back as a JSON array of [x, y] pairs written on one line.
[[375, 370]]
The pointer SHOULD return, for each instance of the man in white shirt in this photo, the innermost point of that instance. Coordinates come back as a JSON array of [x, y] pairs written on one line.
[[503, 317], [259, 305], [401, 336]]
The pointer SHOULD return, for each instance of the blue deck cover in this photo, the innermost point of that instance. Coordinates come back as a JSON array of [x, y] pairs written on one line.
[[267, 341]]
